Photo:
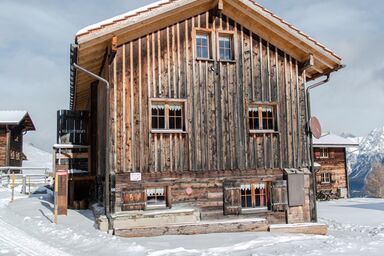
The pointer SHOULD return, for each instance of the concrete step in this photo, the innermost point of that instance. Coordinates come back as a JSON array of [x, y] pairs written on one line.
[[155, 217], [202, 227]]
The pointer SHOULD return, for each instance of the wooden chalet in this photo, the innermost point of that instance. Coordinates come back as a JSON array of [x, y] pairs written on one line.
[[13, 126], [330, 154], [205, 117]]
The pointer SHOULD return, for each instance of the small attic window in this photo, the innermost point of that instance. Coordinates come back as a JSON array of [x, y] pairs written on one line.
[[226, 47], [203, 45]]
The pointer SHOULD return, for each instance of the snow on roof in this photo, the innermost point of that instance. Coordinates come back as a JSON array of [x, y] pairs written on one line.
[[121, 17], [11, 117], [332, 140], [15, 117], [131, 18]]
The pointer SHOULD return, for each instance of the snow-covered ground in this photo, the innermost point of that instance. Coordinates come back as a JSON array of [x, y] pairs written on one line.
[[26, 228]]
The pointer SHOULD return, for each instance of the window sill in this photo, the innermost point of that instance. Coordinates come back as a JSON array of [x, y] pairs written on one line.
[[168, 132], [254, 210], [205, 59], [228, 61], [156, 207], [263, 132]]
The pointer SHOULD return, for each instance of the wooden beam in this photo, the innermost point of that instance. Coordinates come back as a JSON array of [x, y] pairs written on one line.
[[306, 64], [112, 49], [220, 5]]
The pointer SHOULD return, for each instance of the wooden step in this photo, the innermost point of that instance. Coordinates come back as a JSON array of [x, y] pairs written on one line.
[[301, 228]]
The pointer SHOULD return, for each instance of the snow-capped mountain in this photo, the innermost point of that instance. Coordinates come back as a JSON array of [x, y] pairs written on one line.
[[371, 150], [352, 152]]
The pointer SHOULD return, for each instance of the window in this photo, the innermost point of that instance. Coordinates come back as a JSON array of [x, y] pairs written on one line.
[[324, 153], [175, 117], [158, 116], [262, 118], [254, 195], [202, 45], [156, 197], [325, 178], [168, 116], [225, 47]]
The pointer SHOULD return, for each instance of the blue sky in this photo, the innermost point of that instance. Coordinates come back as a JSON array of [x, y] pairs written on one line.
[[34, 56]]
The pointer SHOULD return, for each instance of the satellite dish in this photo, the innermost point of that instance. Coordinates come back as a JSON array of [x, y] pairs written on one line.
[[314, 125]]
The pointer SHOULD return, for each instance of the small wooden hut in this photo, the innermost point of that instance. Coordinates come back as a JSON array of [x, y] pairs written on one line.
[[206, 114], [330, 154], [13, 126]]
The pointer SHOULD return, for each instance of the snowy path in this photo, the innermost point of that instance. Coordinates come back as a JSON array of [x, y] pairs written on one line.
[[15, 241], [356, 227]]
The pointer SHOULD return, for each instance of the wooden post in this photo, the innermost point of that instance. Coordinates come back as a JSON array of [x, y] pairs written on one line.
[[29, 185], [55, 200], [13, 187], [61, 194], [24, 189]]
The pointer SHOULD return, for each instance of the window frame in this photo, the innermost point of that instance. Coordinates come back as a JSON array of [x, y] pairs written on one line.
[[167, 196], [211, 39], [231, 35], [260, 106], [166, 103], [163, 205], [325, 178], [267, 196], [324, 153]]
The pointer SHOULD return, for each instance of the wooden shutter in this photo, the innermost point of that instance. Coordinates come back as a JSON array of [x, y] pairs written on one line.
[[232, 197], [133, 199], [279, 195]]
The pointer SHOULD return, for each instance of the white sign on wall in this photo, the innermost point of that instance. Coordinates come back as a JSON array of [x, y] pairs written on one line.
[[135, 176]]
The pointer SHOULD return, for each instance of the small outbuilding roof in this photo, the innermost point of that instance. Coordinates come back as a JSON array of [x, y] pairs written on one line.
[[332, 140], [15, 118]]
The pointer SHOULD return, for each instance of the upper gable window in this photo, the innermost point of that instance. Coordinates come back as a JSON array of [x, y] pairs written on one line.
[[226, 47], [202, 45]]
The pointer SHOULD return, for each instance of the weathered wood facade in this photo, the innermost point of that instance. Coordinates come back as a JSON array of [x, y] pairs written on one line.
[[13, 125], [215, 146], [3, 147]]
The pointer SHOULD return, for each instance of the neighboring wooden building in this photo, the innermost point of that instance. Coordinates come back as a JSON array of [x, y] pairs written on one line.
[[208, 108], [13, 126], [331, 158]]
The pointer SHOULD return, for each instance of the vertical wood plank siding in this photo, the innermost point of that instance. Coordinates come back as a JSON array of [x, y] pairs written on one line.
[[163, 64]]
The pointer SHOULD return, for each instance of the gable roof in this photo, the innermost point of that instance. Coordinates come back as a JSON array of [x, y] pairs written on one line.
[[15, 118], [335, 141], [93, 40], [129, 18]]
